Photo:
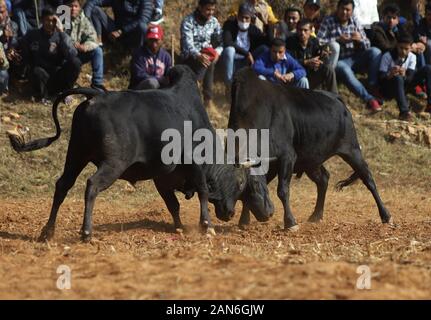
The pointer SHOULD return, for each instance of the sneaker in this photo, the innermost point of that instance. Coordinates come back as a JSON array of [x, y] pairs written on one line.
[[406, 116], [157, 18], [374, 105], [99, 87], [420, 92]]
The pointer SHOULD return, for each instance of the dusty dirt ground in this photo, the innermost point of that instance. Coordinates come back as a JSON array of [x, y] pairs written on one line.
[[136, 254]]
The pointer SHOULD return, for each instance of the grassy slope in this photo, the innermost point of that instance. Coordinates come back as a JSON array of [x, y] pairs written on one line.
[[34, 174]]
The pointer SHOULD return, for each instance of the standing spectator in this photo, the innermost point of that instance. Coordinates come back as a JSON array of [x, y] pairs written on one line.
[[84, 38], [264, 16], [158, 12], [366, 12], [278, 66], [27, 15], [4, 75], [131, 18], [355, 54], [201, 45], [308, 52], [151, 62], [423, 34], [312, 11], [51, 56], [286, 28], [8, 28], [242, 42], [397, 74]]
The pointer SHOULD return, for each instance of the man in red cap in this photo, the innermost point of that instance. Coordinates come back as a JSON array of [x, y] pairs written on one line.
[[150, 62]]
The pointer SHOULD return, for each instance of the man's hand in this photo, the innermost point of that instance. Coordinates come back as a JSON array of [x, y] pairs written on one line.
[[402, 71], [58, 24], [250, 59], [114, 35], [313, 63], [288, 77], [80, 47], [204, 60], [418, 47], [13, 55], [344, 38], [356, 36], [279, 76]]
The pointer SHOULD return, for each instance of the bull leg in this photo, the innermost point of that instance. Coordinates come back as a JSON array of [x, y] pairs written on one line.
[[173, 206], [283, 192], [72, 169], [356, 161], [104, 177], [202, 189], [320, 177], [244, 220]]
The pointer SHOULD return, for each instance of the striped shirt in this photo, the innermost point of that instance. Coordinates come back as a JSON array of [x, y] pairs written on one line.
[[331, 29]]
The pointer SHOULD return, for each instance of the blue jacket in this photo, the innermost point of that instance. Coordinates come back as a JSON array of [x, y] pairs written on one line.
[[146, 65], [129, 14], [266, 67]]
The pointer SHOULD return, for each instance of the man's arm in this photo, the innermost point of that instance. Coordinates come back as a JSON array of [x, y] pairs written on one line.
[[260, 68], [90, 4], [187, 39]]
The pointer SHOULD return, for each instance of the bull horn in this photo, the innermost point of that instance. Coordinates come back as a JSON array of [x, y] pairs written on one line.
[[252, 163]]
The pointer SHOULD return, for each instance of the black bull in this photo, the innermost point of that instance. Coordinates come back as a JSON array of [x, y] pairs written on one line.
[[120, 132], [306, 128]]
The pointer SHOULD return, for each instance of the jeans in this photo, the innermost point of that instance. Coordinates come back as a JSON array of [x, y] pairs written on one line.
[[347, 67], [4, 81], [428, 52], [397, 86], [96, 58], [335, 54], [206, 75], [23, 24], [231, 64], [158, 5]]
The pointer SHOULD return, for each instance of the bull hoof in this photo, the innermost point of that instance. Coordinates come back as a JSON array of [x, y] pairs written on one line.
[[315, 218], [292, 229], [86, 237], [389, 222], [244, 226], [46, 234]]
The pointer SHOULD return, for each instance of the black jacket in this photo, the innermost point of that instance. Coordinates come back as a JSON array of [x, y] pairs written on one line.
[[295, 49], [230, 33]]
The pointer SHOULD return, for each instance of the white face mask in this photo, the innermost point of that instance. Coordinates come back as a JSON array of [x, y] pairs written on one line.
[[243, 25]]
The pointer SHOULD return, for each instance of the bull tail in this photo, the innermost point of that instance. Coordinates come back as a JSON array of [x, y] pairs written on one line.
[[17, 141], [345, 183]]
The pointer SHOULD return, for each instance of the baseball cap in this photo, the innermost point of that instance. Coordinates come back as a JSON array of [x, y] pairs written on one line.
[[154, 32], [312, 2]]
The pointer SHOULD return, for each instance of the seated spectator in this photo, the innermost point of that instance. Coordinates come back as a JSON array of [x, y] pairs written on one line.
[[397, 74], [24, 13], [158, 12], [8, 28], [150, 63], [278, 66], [4, 75], [344, 32], [308, 52], [423, 35], [131, 18], [264, 16], [201, 45], [51, 56], [286, 28], [312, 11], [385, 33], [84, 38], [242, 42]]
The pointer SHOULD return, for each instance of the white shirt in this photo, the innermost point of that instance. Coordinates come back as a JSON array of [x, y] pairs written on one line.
[[242, 41], [388, 63], [366, 12]]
